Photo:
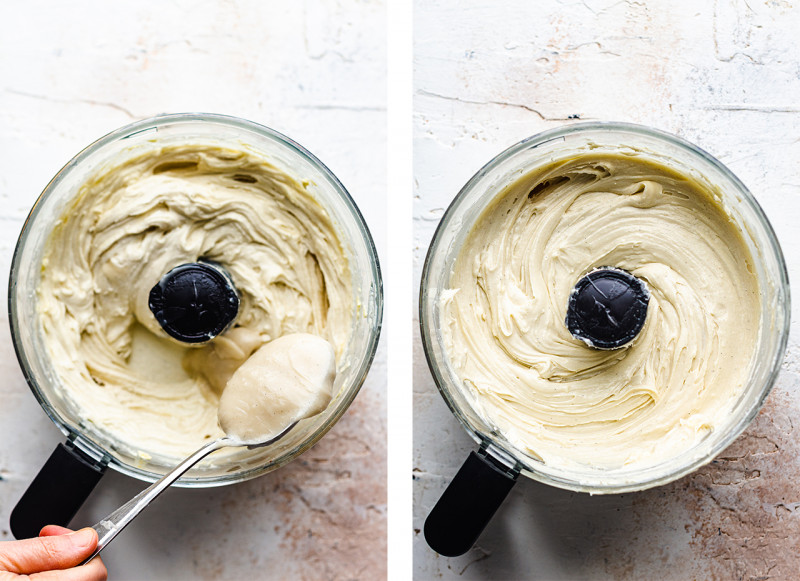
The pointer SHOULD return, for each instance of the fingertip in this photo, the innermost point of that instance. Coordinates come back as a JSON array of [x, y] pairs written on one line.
[[86, 537]]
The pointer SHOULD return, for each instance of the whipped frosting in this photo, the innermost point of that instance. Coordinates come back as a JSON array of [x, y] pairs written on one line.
[[552, 396], [284, 381], [133, 222]]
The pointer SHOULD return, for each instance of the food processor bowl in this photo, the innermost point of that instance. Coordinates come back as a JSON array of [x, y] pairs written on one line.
[[498, 461], [97, 449]]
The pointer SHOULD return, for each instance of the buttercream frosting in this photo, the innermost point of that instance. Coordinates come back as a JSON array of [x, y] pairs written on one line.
[[552, 396], [131, 223]]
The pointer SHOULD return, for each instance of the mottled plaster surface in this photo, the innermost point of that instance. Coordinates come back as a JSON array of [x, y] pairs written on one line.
[[724, 75], [314, 70]]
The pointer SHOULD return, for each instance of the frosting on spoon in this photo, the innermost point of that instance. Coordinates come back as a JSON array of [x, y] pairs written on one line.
[[284, 381]]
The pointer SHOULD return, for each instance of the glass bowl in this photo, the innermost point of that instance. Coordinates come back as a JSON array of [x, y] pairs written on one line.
[[223, 131], [569, 142]]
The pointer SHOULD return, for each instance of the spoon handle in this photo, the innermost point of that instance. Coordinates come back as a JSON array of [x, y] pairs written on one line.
[[112, 525]]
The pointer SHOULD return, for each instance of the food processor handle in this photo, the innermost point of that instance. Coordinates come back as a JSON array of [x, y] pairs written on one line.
[[468, 504], [58, 491]]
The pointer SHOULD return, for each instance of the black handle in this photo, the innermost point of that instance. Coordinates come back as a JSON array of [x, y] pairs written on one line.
[[468, 504], [58, 491]]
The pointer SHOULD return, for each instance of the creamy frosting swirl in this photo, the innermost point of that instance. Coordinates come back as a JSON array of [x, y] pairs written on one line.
[[552, 396], [132, 223]]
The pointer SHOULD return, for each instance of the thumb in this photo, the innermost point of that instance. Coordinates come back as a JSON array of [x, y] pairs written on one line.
[[53, 530], [47, 553]]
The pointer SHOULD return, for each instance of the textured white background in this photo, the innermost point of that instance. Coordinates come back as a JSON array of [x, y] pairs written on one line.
[[722, 74], [314, 70]]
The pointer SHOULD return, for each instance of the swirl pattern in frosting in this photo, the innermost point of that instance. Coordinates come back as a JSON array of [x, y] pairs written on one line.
[[133, 222], [553, 397]]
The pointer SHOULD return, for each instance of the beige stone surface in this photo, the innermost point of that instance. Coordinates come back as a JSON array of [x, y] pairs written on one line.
[[313, 70], [721, 74]]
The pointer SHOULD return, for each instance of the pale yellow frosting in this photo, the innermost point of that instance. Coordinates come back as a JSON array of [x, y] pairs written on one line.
[[131, 224], [283, 382], [552, 396]]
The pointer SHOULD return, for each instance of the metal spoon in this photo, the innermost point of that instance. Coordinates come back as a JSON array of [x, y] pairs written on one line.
[[112, 525]]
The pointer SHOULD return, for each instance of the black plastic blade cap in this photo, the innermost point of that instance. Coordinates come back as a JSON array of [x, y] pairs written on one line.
[[58, 491], [467, 506], [607, 308], [194, 302]]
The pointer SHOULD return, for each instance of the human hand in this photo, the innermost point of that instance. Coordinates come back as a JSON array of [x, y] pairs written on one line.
[[53, 556]]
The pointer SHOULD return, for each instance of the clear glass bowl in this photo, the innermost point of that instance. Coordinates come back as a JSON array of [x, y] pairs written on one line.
[[568, 142], [236, 134]]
